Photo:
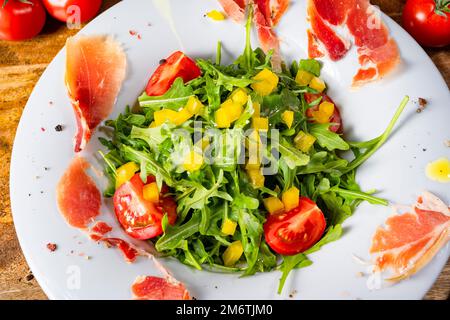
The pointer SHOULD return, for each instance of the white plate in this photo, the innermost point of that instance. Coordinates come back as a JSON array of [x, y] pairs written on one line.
[[397, 170]]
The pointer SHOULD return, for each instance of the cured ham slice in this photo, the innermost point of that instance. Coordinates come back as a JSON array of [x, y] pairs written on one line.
[[378, 53], [334, 45], [410, 240], [267, 14], [78, 197], [235, 9], [129, 252], [155, 288], [95, 70]]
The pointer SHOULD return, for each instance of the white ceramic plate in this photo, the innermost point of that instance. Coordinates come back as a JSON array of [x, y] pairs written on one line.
[[397, 170]]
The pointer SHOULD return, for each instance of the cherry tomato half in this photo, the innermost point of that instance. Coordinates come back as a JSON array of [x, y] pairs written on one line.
[[140, 218], [428, 21], [335, 118], [20, 20], [177, 65], [297, 230], [65, 10]]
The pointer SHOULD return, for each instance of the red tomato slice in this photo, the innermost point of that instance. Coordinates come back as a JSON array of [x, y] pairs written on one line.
[[140, 218], [297, 230], [175, 66], [335, 118]]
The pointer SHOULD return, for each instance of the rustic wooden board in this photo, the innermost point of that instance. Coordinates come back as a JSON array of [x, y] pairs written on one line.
[[21, 65]]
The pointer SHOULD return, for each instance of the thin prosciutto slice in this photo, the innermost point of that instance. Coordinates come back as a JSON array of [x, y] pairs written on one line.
[[78, 197], [410, 240], [378, 53], [156, 288], [95, 70], [267, 14], [235, 9]]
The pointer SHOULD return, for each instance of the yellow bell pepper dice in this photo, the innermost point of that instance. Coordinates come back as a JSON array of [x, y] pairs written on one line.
[[239, 96], [288, 118], [203, 143], [266, 82], [222, 118], [125, 173], [182, 116], [320, 117], [229, 227], [233, 109], [291, 198], [304, 141], [232, 254], [164, 115], [317, 84], [303, 77], [194, 105], [273, 205], [256, 110], [216, 15], [260, 123], [327, 108], [151, 192], [256, 177], [193, 161]]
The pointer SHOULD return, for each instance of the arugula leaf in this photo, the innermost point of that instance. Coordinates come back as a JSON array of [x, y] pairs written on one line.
[[175, 98], [328, 139], [289, 263], [333, 233], [174, 235], [310, 65]]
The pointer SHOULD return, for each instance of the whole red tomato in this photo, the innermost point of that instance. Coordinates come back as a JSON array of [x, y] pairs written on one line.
[[428, 21], [21, 19], [65, 10]]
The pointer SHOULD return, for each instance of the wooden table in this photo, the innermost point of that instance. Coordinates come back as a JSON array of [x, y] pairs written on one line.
[[21, 65]]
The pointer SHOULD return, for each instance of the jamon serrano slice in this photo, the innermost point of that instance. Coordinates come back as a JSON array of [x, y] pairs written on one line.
[[155, 288], [378, 53], [235, 9], [95, 70], [410, 240], [78, 197]]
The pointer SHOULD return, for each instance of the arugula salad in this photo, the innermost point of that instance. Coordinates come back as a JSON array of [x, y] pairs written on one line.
[[236, 167]]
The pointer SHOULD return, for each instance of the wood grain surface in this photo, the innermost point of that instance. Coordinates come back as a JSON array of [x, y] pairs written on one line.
[[21, 65]]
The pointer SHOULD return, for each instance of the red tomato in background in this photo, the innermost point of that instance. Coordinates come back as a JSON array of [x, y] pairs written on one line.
[[428, 21], [175, 66], [140, 218], [335, 118], [297, 230], [20, 20], [64, 10]]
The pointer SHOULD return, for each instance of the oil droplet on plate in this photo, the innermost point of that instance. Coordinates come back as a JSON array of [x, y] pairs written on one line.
[[439, 170]]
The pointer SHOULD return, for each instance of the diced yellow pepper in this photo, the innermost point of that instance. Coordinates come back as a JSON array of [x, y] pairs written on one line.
[[323, 115], [151, 192], [232, 254], [317, 84], [291, 198], [260, 123], [288, 118], [182, 116], [203, 143], [253, 163], [234, 109], [256, 110], [194, 105], [266, 82], [303, 77], [152, 125], [193, 161], [216, 15], [125, 173], [229, 227], [273, 205], [222, 118], [256, 177], [164, 115], [239, 96], [304, 141]]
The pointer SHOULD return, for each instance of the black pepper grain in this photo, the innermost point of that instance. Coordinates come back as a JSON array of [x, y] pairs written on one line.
[[59, 128], [162, 61]]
